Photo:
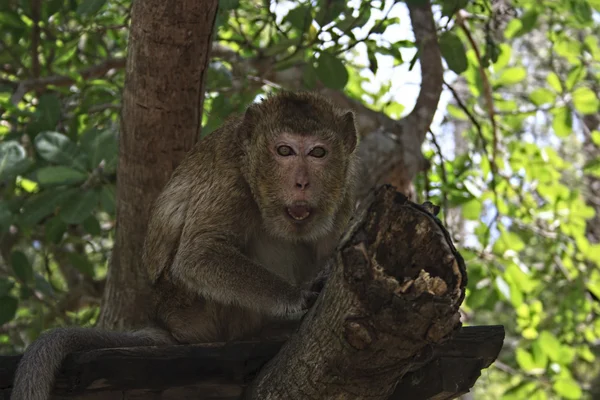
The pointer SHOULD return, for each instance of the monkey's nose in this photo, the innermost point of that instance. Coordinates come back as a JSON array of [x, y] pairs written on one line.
[[302, 184]]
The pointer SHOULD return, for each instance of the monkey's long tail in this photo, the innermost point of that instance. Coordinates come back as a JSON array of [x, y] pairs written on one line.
[[37, 370]]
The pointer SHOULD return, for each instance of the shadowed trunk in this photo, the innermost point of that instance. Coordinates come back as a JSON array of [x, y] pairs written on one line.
[[161, 120]]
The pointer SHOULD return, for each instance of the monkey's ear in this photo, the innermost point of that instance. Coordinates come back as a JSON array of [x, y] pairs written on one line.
[[348, 129], [251, 118]]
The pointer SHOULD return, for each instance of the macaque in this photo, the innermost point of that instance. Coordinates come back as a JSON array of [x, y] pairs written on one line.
[[237, 236]]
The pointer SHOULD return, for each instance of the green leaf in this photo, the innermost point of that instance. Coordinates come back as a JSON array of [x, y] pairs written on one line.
[[457, 112], [309, 77], [472, 209], [581, 10], [372, 61], [56, 148], [100, 146], [453, 52], [525, 359], [59, 175], [554, 82], [90, 7], [92, 226], [513, 75], [11, 19], [13, 159], [585, 100], [42, 204], [528, 22], [329, 10], [300, 17], [331, 71], [6, 217], [449, 7], [107, 198], [8, 308], [510, 241], [6, 286], [549, 344], [54, 229], [82, 264], [567, 388], [562, 122], [576, 74], [79, 207], [21, 266], [43, 285], [542, 96], [47, 113]]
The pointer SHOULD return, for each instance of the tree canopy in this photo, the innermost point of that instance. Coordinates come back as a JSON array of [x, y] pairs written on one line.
[[512, 156]]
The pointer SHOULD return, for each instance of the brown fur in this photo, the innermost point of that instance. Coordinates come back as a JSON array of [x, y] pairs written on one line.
[[223, 257]]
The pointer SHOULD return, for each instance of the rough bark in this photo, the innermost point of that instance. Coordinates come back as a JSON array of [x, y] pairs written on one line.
[[395, 290], [161, 119]]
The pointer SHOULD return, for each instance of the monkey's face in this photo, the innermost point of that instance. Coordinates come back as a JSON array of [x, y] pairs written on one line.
[[301, 184]]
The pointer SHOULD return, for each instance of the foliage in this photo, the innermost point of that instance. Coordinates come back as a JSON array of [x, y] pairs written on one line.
[[515, 189]]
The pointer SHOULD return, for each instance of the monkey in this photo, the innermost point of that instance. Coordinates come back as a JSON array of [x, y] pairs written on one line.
[[237, 236]]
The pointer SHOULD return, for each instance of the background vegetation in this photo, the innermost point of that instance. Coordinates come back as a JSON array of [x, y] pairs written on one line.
[[514, 154]]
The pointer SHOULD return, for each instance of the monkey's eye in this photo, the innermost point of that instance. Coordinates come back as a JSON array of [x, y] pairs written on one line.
[[285, 151], [318, 152]]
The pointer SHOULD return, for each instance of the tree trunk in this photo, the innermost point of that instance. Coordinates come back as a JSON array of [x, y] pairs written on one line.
[[395, 290], [167, 60]]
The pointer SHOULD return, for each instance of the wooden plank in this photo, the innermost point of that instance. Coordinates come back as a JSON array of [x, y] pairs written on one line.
[[221, 371]]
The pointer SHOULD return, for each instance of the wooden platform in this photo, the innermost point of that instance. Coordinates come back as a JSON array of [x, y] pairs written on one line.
[[221, 371]]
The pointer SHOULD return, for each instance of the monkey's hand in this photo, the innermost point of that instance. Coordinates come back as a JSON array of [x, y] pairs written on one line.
[[217, 270]]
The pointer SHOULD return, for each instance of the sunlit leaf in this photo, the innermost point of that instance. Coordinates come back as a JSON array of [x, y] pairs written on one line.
[[585, 100], [567, 388], [524, 359], [549, 344], [562, 123], [542, 96], [554, 82], [472, 209], [576, 74], [513, 75]]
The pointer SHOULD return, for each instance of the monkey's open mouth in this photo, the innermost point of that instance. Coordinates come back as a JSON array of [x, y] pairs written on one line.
[[299, 212]]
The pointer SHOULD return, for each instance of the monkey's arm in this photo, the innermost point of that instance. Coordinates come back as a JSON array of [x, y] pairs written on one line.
[[216, 269], [37, 370]]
